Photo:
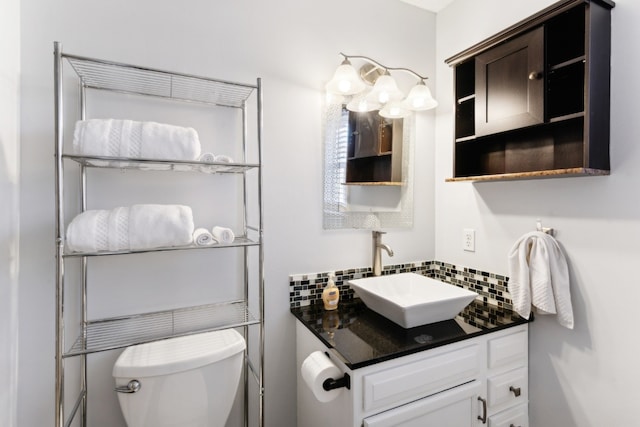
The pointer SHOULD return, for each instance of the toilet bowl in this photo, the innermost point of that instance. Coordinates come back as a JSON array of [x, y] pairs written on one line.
[[188, 381]]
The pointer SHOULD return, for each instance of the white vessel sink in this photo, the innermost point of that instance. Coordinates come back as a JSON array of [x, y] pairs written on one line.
[[410, 299]]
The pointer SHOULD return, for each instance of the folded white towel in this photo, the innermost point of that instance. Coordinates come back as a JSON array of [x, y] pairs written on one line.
[[539, 277], [222, 234], [207, 157], [135, 228], [202, 237], [131, 139]]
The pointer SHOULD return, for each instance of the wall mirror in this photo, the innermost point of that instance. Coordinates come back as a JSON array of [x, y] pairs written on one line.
[[368, 170]]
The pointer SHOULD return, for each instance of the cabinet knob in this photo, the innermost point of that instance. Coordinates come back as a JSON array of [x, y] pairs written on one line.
[[515, 390], [535, 75]]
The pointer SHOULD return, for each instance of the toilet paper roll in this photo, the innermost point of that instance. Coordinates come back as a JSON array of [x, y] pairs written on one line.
[[317, 368]]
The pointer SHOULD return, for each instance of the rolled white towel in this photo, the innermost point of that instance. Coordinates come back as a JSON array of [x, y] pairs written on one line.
[[222, 234], [202, 237], [135, 228], [207, 157], [222, 158], [131, 139]]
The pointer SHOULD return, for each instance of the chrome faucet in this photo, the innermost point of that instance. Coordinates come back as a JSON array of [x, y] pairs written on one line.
[[377, 253]]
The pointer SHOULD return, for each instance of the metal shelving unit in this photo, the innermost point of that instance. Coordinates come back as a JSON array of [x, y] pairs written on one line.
[[119, 332]]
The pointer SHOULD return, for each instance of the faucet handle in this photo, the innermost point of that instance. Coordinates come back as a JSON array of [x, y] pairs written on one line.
[[378, 233]]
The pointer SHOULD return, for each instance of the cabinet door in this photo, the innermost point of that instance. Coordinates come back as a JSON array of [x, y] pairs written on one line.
[[370, 134], [510, 84], [456, 407]]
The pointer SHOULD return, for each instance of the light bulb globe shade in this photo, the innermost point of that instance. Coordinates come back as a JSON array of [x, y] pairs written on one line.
[[394, 110], [362, 103], [345, 81], [385, 90], [420, 99]]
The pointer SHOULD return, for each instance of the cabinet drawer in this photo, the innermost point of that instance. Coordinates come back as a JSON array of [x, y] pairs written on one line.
[[421, 378], [508, 350], [514, 417], [507, 389], [455, 407]]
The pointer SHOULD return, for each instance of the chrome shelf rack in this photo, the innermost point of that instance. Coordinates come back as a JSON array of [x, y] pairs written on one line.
[[98, 335]]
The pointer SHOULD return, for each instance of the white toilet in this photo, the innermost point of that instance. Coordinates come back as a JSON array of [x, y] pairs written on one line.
[[188, 381]]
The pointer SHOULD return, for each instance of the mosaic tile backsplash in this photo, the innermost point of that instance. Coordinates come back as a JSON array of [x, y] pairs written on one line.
[[306, 289]]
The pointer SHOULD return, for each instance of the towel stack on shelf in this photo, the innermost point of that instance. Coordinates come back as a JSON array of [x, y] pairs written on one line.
[[138, 227], [135, 140], [539, 278]]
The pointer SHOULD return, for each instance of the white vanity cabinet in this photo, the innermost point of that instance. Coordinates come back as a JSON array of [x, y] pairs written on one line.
[[470, 383]]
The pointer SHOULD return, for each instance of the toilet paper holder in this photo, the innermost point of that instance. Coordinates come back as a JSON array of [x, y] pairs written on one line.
[[330, 383]]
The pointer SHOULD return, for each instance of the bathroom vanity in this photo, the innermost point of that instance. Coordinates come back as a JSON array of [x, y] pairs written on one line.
[[468, 371]]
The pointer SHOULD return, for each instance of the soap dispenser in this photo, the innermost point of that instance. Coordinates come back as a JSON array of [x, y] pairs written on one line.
[[331, 294]]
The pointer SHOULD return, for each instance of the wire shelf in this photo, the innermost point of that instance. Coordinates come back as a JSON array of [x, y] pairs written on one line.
[[114, 76], [160, 165], [119, 332], [237, 242]]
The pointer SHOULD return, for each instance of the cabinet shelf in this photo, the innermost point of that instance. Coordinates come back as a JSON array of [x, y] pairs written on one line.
[[237, 242], [535, 174], [466, 99], [119, 332], [126, 78], [572, 61], [160, 165]]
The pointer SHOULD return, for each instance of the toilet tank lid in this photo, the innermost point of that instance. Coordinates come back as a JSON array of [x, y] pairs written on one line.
[[177, 354]]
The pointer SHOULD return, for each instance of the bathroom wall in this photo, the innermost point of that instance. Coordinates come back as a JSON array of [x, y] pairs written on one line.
[[294, 47], [9, 214], [585, 377]]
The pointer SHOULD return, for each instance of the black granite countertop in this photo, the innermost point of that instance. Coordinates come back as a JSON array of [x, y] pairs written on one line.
[[362, 337]]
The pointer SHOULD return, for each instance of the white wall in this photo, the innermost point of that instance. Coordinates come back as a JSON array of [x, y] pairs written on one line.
[[9, 214], [586, 377], [293, 46]]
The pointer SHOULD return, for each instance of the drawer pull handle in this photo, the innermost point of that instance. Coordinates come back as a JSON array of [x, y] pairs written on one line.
[[535, 75], [515, 391], [483, 418], [513, 425]]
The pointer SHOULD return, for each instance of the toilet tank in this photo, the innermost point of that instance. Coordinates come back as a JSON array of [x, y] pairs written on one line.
[[187, 381]]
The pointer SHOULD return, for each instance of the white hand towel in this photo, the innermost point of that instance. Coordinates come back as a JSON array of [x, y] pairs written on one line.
[[539, 277], [207, 157], [222, 234], [223, 158], [131, 139], [202, 237], [134, 228]]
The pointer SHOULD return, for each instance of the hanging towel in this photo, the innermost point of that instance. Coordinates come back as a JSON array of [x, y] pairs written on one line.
[[131, 139], [539, 277], [137, 227], [222, 234]]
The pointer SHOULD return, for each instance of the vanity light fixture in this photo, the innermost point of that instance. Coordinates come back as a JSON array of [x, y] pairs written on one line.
[[384, 95]]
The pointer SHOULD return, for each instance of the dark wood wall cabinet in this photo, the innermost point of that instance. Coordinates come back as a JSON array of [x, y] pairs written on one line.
[[533, 100], [374, 150]]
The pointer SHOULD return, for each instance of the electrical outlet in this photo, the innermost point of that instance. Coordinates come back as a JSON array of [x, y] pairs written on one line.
[[469, 240]]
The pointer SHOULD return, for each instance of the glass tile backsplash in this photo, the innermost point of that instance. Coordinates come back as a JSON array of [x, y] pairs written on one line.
[[306, 289]]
